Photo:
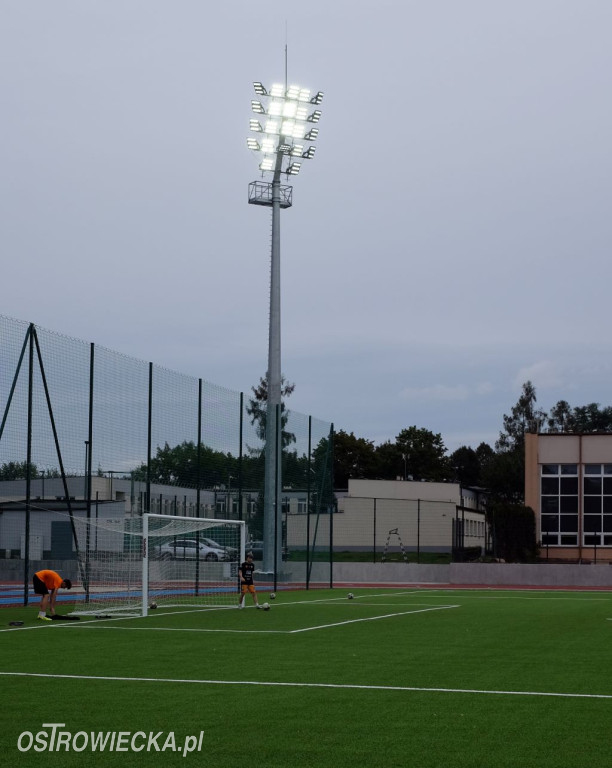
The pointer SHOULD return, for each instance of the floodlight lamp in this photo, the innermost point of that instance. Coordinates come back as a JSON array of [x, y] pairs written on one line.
[[309, 154], [285, 149], [267, 164], [293, 92], [312, 134], [253, 144], [258, 107], [287, 128], [297, 150], [315, 117], [259, 89], [268, 146], [272, 126], [277, 90], [294, 169], [275, 108], [289, 109], [255, 125], [317, 98]]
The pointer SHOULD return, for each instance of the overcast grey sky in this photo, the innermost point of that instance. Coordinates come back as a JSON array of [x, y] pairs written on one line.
[[450, 240]]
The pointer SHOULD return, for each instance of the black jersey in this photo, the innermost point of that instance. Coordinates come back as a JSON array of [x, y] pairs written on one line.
[[246, 569]]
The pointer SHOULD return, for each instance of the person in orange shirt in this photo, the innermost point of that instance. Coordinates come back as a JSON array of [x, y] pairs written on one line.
[[46, 584]]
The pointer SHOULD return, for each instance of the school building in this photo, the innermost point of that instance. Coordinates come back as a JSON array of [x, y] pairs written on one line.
[[568, 484]]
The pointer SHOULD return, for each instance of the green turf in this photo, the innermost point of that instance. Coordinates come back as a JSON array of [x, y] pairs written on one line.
[[475, 654]]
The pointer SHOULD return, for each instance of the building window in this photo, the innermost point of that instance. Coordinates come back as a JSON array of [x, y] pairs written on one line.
[[597, 490], [559, 504]]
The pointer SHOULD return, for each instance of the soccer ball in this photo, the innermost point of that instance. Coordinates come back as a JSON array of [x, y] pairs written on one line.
[[153, 606], [272, 595], [350, 595], [266, 606]]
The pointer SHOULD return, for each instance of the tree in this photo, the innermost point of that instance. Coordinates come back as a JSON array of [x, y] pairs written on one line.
[[354, 457], [524, 417], [503, 476], [590, 418], [559, 417], [505, 473], [466, 466], [257, 410], [425, 454], [513, 530], [17, 470], [390, 463], [179, 466]]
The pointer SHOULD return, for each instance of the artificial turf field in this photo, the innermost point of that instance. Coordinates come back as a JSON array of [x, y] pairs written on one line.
[[417, 678]]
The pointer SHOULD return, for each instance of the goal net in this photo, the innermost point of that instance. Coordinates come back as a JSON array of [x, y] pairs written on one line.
[[131, 566]]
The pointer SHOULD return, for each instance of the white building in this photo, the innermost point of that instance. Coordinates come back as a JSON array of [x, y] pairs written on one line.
[[379, 515]]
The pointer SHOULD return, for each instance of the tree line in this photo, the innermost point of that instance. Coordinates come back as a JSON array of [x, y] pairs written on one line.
[[416, 454]]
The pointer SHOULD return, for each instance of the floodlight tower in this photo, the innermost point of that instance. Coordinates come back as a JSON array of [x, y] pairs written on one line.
[[285, 131]]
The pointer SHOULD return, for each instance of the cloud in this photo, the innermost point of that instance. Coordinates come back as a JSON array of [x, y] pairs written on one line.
[[445, 393], [544, 374], [484, 388], [435, 392]]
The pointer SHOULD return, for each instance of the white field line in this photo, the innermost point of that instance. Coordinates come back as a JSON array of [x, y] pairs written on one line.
[[198, 629], [89, 623], [279, 631], [336, 686], [372, 618], [494, 593], [520, 597], [86, 621]]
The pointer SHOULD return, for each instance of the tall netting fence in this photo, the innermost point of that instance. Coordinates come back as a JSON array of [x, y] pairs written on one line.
[[89, 435], [378, 530]]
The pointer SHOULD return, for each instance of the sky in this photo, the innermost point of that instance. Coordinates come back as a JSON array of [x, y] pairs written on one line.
[[450, 240]]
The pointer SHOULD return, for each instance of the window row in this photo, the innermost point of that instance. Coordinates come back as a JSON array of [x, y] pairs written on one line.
[[572, 469], [569, 486]]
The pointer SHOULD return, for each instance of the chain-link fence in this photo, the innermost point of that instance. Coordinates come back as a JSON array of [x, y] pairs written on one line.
[[379, 530], [89, 432]]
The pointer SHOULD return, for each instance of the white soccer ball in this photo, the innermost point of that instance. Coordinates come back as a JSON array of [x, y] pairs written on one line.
[[350, 595], [266, 606], [153, 606], [272, 595]]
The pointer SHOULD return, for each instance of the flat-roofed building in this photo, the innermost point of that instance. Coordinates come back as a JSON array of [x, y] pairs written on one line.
[[568, 484]]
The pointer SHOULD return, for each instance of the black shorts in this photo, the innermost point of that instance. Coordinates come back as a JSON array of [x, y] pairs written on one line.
[[39, 586]]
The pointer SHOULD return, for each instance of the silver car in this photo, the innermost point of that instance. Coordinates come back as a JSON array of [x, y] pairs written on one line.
[[190, 549]]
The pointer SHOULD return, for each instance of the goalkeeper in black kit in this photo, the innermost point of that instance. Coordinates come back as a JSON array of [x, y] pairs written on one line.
[[245, 573]]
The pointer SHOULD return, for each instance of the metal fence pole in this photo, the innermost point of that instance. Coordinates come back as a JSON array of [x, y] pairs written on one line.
[[26, 554]]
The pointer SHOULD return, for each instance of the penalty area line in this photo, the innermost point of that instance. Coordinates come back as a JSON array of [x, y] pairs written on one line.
[[372, 618], [276, 684]]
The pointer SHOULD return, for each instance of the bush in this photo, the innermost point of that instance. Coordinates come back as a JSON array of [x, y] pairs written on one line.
[[513, 531]]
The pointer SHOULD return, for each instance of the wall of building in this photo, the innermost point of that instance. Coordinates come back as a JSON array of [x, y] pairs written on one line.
[[371, 523], [580, 450]]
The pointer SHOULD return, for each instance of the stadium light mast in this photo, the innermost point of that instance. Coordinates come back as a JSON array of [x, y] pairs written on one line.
[[285, 130]]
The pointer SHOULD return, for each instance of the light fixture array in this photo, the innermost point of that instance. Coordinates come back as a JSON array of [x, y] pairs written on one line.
[[284, 125]]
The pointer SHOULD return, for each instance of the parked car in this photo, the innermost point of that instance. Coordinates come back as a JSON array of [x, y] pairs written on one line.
[[232, 552], [187, 549]]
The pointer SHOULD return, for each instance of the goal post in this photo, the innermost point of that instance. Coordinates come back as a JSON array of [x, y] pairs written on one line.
[[190, 562], [159, 561]]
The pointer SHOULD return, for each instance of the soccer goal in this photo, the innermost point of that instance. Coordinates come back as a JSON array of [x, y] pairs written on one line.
[[132, 566]]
